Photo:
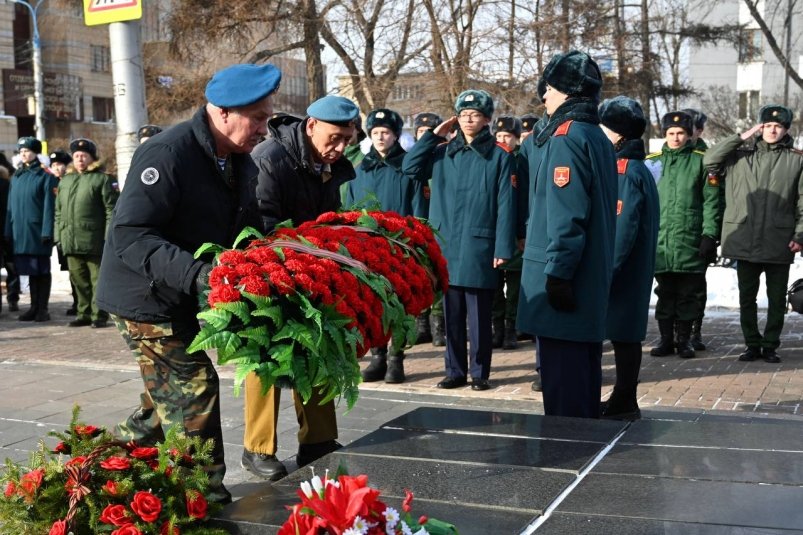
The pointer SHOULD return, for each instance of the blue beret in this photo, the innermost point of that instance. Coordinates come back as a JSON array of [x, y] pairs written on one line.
[[475, 99], [241, 85], [334, 109]]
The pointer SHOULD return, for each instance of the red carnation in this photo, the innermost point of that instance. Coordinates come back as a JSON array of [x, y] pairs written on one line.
[[61, 447], [146, 505], [75, 460], [110, 487], [128, 529], [11, 488], [116, 463], [222, 275], [31, 481], [231, 257], [145, 453], [59, 527], [255, 285], [87, 430], [116, 515], [196, 505]]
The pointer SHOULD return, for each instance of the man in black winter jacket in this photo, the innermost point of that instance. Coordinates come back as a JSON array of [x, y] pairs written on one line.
[[301, 167], [190, 185]]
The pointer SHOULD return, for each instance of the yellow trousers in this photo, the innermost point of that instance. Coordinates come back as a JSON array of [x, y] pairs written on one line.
[[317, 423]]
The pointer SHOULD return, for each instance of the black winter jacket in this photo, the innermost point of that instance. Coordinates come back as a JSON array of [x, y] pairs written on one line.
[[175, 199], [288, 186]]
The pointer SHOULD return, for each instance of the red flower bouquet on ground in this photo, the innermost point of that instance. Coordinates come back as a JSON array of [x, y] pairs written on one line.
[[91, 483], [348, 506], [299, 306]]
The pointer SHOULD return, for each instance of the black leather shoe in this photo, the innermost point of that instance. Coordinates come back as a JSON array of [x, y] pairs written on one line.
[[308, 453], [536, 386], [80, 322], [769, 355], [219, 495], [263, 465], [480, 384], [72, 311], [99, 324], [750, 354], [452, 382]]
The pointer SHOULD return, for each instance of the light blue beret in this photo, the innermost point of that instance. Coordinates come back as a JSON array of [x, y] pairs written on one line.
[[241, 85], [334, 109]]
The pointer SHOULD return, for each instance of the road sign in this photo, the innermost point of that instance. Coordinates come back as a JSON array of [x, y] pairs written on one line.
[[106, 11]]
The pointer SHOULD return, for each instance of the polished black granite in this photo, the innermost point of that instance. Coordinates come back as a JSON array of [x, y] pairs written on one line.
[[570, 524], [688, 500], [755, 436]]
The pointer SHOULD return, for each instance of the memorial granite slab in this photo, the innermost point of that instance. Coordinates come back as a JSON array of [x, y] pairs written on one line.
[[754, 436]]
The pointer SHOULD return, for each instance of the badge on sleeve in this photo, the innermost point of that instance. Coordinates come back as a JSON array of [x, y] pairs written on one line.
[[149, 176], [562, 176], [619, 205], [713, 179]]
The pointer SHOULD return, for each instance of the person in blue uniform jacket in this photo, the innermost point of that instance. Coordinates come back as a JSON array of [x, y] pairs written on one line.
[[568, 252], [637, 215], [380, 183], [472, 207]]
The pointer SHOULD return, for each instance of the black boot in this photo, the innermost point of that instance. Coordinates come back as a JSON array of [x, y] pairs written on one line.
[[696, 335], [42, 313], [423, 332], [685, 349], [510, 341], [378, 367], [33, 290], [73, 310], [666, 346], [438, 331], [498, 328], [395, 373], [622, 405]]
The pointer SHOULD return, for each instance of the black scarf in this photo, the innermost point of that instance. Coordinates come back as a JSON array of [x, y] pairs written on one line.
[[632, 149], [482, 144], [393, 159], [581, 109]]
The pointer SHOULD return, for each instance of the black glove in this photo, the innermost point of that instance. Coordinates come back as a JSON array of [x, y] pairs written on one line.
[[708, 249], [202, 279], [47, 241], [560, 294]]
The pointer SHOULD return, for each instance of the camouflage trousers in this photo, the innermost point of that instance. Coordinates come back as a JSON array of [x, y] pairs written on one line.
[[180, 388]]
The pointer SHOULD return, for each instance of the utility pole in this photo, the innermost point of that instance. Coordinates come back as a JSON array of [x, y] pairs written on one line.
[[38, 77]]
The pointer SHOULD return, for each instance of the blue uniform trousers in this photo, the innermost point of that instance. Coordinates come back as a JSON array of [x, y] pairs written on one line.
[[477, 303], [571, 376]]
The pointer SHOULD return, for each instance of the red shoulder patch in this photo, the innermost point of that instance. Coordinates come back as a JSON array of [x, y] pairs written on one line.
[[619, 205], [504, 147], [621, 165], [563, 129]]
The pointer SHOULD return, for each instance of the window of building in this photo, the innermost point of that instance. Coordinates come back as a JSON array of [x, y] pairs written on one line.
[[102, 109], [101, 59], [750, 46], [748, 104]]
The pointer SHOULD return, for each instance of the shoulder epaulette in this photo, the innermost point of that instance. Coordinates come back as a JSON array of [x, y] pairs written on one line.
[[563, 129], [701, 153], [654, 154], [797, 151], [621, 165], [504, 147]]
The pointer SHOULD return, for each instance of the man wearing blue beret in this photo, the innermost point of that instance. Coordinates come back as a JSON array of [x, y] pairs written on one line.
[[472, 205], [187, 186], [301, 168]]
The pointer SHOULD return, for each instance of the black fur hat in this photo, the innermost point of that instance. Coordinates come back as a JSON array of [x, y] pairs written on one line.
[[384, 117], [775, 113], [475, 99], [698, 117], [60, 156], [30, 143], [148, 130], [679, 119], [84, 145], [430, 120], [528, 121], [509, 124], [575, 74], [624, 116]]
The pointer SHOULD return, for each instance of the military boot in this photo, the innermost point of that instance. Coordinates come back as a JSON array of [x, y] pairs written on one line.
[[666, 346], [33, 289], [423, 331], [622, 405], [438, 331], [43, 298], [509, 341], [395, 373], [498, 327], [378, 367], [685, 349], [696, 335]]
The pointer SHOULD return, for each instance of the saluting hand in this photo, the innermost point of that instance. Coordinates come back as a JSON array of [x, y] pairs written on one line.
[[753, 131], [445, 127]]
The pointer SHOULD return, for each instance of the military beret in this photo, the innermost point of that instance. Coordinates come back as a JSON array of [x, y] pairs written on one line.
[[84, 145], [574, 74], [679, 119], [509, 124], [243, 84], [384, 117], [528, 121], [624, 116], [475, 99], [30, 143], [775, 113], [60, 156], [427, 119], [148, 130], [334, 109], [698, 118]]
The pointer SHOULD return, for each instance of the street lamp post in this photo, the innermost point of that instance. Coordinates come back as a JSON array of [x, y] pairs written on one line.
[[38, 79]]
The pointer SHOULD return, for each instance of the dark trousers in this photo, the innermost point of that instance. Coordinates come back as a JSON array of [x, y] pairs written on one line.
[[475, 303], [571, 376], [777, 277], [679, 296], [506, 301]]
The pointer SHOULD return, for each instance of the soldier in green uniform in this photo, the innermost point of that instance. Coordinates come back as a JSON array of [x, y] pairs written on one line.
[[84, 206], [687, 238], [380, 179], [763, 223], [507, 130]]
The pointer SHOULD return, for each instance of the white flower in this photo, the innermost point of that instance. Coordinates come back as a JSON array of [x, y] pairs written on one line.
[[306, 488], [360, 526], [352, 531], [405, 528], [391, 517], [317, 484], [421, 531]]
